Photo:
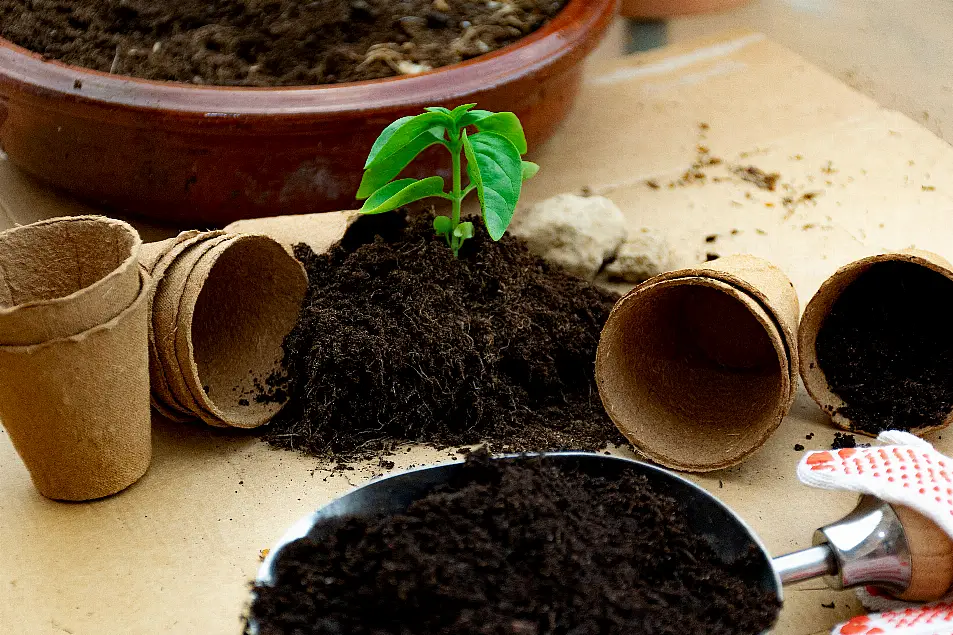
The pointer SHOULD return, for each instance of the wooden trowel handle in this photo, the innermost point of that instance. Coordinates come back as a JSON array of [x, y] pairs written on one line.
[[931, 556]]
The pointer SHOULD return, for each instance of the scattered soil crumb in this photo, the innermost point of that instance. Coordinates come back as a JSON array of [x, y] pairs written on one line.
[[842, 441], [798, 447], [809, 436], [652, 183], [758, 177], [595, 556], [828, 606], [711, 238], [711, 256]]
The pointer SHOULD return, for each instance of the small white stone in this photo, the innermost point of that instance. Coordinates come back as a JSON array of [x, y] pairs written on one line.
[[156, 47], [643, 255], [406, 67], [580, 233]]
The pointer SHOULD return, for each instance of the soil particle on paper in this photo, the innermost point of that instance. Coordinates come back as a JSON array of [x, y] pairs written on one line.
[[268, 43], [400, 342], [595, 557], [842, 441], [758, 177], [887, 348]]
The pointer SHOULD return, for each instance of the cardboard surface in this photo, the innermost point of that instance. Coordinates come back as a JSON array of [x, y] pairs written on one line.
[[175, 553]]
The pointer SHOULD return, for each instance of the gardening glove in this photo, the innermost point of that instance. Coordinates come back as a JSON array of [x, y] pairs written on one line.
[[905, 471]]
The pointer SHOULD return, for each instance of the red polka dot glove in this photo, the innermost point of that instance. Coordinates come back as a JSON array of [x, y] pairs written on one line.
[[928, 619], [905, 471]]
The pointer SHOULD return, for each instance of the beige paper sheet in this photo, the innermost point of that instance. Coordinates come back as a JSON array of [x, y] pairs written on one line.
[[175, 553]]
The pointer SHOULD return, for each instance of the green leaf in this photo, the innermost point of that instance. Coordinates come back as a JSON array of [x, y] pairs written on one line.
[[445, 111], [441, 225], [503, 123], [460, 111], [529, 170], [381, 172], [464, 231], [402, 132], [402, 192], [495, 167]]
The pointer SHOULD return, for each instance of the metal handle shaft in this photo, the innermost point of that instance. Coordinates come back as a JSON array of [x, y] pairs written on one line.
[[806, 565]]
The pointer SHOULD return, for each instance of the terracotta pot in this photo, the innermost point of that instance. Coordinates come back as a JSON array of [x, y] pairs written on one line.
[[657, 9], [202, 155]]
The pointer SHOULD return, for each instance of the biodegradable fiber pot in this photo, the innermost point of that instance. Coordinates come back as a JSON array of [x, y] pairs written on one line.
[[820, 307], [202, 155], [698, 367], [223, 306], [74, 379]]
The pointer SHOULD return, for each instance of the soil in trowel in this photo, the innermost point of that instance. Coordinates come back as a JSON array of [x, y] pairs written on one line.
[[268, 43], [398, 341], [887, 348], [522, 549]]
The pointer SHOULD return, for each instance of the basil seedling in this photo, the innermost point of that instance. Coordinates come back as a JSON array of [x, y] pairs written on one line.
[[494, 164]]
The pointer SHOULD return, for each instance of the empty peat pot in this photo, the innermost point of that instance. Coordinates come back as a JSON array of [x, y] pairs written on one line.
[[876, 345], [698, 367], [203, 155], [876, 544]]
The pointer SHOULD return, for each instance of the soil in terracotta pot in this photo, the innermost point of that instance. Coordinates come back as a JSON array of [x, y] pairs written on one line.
[[398, 341], [887, 348], [522, 549], [268, 42]]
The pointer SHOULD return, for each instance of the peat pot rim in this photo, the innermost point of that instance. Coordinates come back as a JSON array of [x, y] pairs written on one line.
[[569, 34]]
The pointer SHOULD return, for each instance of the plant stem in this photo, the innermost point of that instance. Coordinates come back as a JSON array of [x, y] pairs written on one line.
[[456, 196]]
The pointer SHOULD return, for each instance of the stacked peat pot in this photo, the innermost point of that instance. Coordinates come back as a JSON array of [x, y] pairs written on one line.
[[223, 304], [697, 367], [89, 315], [74, 380]]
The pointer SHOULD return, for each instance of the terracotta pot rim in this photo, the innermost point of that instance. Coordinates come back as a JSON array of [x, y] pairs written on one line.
[[31, 73]]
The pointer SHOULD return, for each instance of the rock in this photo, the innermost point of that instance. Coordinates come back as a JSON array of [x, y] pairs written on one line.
[[643, 255], [579, 233]]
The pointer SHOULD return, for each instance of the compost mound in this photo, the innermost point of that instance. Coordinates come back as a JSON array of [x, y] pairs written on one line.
[[887, 348], [268, 42], [517, 548], [398, 341]]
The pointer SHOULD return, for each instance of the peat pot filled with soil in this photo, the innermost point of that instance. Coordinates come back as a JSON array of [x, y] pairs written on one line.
[[206, 112], [877, 347], [555, 545]]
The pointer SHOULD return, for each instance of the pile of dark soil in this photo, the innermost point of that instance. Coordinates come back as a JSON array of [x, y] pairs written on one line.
[[887, 348], [521, 549], [398, 341], [268, 42]]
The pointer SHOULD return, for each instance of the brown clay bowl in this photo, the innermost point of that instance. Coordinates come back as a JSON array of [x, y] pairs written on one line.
[[200, 155]]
